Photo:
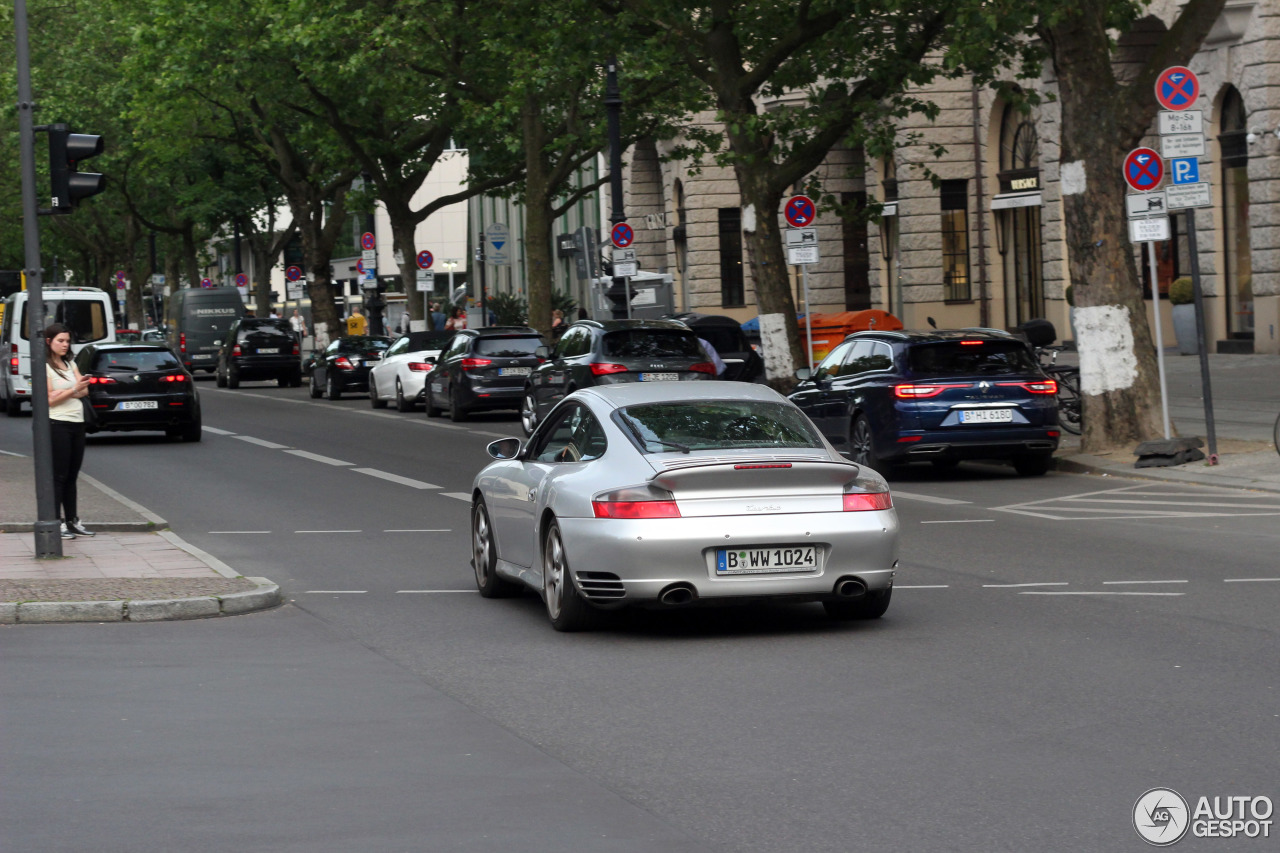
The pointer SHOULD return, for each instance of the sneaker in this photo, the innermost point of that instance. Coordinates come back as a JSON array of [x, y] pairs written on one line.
[[77, 528], [66, 532]]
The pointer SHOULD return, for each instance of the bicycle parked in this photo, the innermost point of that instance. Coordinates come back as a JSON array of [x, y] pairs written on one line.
[[1040, 335]]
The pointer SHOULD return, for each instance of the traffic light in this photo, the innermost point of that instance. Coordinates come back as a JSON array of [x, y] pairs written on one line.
[[66, 150]]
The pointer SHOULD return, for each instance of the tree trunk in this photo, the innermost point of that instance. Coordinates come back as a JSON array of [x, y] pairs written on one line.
[[189, 254], [133, 292], [538, 217], [319, 225], [768, 263], [402, 240]]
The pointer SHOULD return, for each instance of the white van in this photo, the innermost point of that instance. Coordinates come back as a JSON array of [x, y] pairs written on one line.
[[85, 311]]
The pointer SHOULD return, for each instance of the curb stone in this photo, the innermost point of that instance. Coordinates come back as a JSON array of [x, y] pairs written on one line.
[[266, 595]]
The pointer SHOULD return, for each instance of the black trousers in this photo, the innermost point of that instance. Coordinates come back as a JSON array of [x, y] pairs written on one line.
[[68, 454]]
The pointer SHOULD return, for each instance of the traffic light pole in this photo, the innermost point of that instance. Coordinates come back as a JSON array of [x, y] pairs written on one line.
[[48, 538]]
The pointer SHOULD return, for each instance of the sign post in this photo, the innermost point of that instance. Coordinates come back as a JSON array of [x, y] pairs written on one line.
[[802, 250], [624, 265]]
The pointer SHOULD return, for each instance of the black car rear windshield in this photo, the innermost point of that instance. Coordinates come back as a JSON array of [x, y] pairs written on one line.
[[362, 344], [725, 339], [718, 424], [957, 358], [419, 341], [135, 361], [512, 347], [273, 328], [651, 343]]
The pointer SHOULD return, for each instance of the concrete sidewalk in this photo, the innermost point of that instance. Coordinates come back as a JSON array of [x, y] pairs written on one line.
[[133, 570]]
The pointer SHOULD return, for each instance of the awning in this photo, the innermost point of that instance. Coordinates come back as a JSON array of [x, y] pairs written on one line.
[[1010, 200]]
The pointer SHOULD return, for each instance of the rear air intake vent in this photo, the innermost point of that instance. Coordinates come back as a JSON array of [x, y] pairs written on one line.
[[598, 586]]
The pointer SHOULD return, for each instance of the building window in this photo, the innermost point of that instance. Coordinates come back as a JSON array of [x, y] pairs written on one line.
[[732, 292], [955, 241]]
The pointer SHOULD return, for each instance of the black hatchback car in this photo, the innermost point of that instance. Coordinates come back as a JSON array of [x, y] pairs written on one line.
[[610, 352], [259, 348], [345, 364], [482, 369], [884, 398], [139, 386]]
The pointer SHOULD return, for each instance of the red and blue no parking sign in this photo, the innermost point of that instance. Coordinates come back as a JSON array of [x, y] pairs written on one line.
[[799, 211], [1177, 88], [622, 235], [425, 260], [242, 280], [367, 241], [1143, 169], [293, 273]]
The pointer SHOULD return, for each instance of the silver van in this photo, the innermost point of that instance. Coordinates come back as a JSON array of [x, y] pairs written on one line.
[[197, 321], [87, 312]]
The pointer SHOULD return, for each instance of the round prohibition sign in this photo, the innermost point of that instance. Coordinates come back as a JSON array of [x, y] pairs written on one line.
[[367, 241], [1177, 88], [293, 273], [242, 280], [1143, 169], [425, 260], [622, 235], [799, 211]]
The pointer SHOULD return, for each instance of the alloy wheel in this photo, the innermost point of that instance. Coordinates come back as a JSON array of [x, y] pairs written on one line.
[[554, 574]]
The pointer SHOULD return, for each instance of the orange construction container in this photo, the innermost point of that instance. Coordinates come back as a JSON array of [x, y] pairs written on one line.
[[830, 329]]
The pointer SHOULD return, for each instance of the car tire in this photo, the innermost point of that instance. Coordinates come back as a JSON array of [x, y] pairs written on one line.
[[283, 381], [192, 431], [528, 413], [457, 413], [565, 606], [861, 447], [869, 605], [219, 379], [14, 409], [4, 404], [403, 404], [332, 389], [373, 396], [312, 388], [428, 401], [1033, 464], [233, 378], [484, 555], [295, 379]]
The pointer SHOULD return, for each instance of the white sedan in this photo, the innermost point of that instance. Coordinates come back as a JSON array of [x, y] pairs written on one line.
[[401, 374], [655, 495]]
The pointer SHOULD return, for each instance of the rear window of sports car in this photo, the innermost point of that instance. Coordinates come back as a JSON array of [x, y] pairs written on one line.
[[716, 425]]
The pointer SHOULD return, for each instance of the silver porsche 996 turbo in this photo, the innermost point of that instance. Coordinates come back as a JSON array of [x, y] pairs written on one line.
[[666, 495]]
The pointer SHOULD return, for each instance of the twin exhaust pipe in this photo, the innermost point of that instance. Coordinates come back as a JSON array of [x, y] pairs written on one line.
[[678, 595]]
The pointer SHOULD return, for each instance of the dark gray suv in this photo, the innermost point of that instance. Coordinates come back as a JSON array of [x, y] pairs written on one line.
[[592, 352]]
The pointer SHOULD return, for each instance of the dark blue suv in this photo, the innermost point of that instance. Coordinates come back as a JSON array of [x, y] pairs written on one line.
[[884, 398]]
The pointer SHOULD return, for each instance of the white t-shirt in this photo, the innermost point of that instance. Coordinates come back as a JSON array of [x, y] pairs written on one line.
[[712, 356], [71, 409]]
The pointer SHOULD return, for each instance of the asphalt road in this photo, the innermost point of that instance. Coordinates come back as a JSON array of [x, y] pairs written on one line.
[[1056, 647]]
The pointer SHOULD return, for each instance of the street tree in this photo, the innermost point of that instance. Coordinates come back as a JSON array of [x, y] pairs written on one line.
[[1104, 116]]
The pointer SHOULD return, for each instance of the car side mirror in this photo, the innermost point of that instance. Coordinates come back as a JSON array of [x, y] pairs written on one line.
[[804, 374], [504, 448], [542, 352]]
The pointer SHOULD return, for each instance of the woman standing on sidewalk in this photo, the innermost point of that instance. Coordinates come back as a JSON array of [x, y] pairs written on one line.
[[66, 425]]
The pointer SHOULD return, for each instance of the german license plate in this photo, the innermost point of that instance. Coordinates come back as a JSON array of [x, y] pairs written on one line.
[[202, 356], [514, 371], [268, 350], [137, 404], [986, 416], [659, 377], [754, 561]]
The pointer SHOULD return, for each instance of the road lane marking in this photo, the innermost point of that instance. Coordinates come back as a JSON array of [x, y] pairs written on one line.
[[316, 457], [434, 530], [437, 425], [1049, 592], [457, 496], [335, 591], [913, 496], [1123, 504], [211, 532], [431, 591], [217, 431], [1012, 585], [1250, 580], [960, 521], [262, 442], [396, 478], [494, 434], [1104, 583], [328, 531], [923, 586], [258, 396], [378, 414]]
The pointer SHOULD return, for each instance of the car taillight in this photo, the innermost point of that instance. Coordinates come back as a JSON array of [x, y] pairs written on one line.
[[756, 466], [916, 392], [1042, 386], [13, 365], [971, 343], [182, 342], [703, 367], [473, 363], [296, 351], [343, 363], [235, 350], [420, 366], [604, 369], [101, 380], [636, 502], [174, 377], [864, 501]]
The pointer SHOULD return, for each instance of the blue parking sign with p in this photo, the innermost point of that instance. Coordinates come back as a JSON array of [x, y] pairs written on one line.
[[1185, 170]]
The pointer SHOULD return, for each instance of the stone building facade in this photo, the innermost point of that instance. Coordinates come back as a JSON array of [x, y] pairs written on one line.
[[986, 247]]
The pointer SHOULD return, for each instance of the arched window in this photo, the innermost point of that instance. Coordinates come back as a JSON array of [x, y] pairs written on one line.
[[1019, 142], [1238, 269], [1018, 217]]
